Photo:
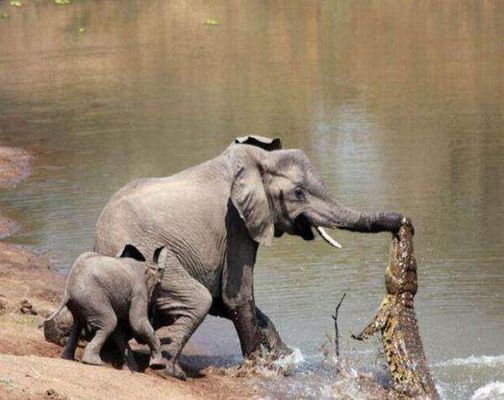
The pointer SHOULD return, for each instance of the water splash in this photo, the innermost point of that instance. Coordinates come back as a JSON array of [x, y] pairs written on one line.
[[490, 361], [290, 362], [492, 390], [266, 365], [325, 376]]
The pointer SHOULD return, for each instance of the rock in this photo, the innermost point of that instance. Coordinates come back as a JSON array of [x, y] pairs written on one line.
[[53, 395], [4, 306], [27, 308]]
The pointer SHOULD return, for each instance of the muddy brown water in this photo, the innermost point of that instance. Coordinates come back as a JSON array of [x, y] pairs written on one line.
[[400, 104]]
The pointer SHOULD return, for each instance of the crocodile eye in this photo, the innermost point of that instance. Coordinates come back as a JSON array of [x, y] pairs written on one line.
[[299, 193]]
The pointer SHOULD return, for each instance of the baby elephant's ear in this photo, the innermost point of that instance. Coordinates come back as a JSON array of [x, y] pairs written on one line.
[[268, 144], [131, 251], [160, 256]]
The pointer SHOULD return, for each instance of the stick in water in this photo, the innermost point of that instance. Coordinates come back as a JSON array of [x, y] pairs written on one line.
[[336, 331]]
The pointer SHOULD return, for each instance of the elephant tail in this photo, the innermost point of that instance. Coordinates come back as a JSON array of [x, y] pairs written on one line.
[[63, 303]]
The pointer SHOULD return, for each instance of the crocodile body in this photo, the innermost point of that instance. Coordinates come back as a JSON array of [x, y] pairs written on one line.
[[396, 320]]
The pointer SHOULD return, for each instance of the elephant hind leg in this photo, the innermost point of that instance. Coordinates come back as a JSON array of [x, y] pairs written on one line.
[[187, 302], [143, 330], [121, 343], [105, 322]]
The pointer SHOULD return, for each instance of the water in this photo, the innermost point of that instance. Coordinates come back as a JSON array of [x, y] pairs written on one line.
[[400, 104]]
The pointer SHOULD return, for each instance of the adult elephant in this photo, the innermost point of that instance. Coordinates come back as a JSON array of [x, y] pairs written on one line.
[[212, 218]]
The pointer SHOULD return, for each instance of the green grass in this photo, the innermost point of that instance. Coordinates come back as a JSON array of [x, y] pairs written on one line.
[[7, 382], [211, 22]]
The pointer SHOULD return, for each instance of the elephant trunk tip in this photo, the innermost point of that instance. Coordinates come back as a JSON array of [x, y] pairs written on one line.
[[348, 219]]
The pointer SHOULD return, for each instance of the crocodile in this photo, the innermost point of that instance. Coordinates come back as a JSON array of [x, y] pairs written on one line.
[[396, 320]]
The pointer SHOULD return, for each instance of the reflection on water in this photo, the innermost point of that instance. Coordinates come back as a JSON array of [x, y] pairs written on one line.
[[399, 104]]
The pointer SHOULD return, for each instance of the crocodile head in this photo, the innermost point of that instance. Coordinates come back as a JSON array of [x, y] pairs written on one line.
[[400, 275]]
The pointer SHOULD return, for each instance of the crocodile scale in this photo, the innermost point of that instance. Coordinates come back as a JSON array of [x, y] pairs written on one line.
[[397, 322]]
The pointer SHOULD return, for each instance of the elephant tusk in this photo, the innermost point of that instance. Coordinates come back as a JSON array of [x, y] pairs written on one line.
[[321, 231]]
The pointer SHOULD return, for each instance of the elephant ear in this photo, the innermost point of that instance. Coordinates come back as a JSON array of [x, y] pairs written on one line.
[[131, 251], [264, 143], [249, 198]]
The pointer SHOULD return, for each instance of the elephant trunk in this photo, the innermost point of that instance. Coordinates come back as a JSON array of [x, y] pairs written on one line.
[[329, 214], [352, 220]]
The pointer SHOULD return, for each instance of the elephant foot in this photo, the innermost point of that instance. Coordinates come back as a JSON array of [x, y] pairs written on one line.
[[131, 362], [269, 350], [267, 356], [68, 357], [174, 370], [92, 359], [282, 351], [157, 363]]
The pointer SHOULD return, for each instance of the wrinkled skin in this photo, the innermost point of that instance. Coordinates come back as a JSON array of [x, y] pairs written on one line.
[[212, 218], [109, 296], [397, 323]]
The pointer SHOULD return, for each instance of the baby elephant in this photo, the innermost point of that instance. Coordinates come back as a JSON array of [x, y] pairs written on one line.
[[104, 293]]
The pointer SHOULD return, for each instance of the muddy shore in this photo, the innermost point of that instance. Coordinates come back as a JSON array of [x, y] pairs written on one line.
[[30, 367], [14, 167]]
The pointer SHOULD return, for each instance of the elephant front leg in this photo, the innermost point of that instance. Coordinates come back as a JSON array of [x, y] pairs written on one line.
[[254, 328], [255, 331], [270, 336], [252, 334], [245, 321]]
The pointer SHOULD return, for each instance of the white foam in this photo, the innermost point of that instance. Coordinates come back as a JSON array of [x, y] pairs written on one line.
[[473, 360], [491, 391], [290, 361]]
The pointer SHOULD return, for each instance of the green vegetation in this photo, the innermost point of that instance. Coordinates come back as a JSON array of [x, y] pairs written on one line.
[[7, 382], [211, 22]]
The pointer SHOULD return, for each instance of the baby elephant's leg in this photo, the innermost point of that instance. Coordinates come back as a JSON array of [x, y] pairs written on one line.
[[121, 342], [139, 321], [186, 302], [105, 322], [72, 341]]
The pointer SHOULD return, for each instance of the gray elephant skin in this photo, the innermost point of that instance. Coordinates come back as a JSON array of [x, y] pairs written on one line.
[[109, 297], [212, 218]]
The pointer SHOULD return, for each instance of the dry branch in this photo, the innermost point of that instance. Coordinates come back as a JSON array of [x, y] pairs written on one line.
[[336, 331]]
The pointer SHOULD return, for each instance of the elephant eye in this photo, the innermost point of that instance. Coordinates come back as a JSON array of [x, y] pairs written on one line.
[[299, 193]]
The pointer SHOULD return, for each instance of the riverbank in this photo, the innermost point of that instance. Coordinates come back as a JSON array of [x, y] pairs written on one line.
[[14, 167], [30, 367]]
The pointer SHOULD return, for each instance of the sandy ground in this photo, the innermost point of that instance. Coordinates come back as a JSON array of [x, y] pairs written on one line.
[[30, 367]]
